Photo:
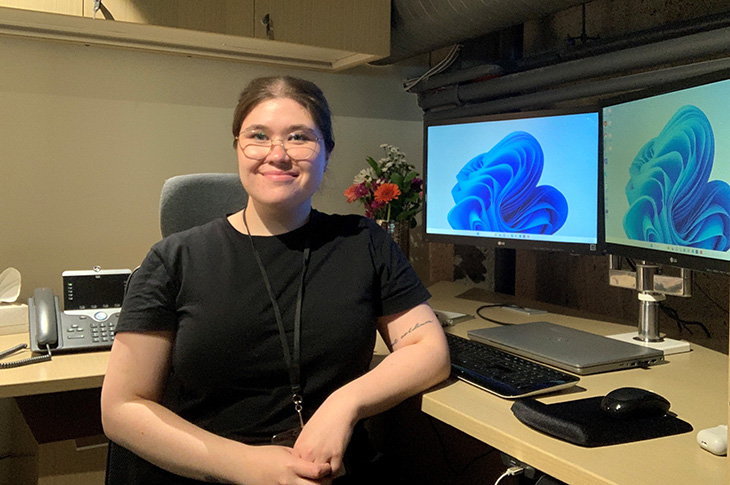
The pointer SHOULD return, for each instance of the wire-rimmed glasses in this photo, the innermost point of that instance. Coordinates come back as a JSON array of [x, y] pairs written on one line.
[[298, 145]]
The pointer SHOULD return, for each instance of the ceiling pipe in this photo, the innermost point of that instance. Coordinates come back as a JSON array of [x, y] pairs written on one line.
[[421, 26], [685, 49], [569, 52], [590, 89]]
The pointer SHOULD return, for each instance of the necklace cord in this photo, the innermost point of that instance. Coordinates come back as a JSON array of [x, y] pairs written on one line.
[[291, 359]]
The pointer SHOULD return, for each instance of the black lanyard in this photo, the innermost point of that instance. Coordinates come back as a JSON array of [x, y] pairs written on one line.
[[291, 359]]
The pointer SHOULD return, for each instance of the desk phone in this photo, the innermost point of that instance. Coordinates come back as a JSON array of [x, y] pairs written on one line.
[[92, 303]]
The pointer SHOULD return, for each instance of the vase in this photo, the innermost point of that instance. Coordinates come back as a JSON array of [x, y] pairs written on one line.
[[399, 231]]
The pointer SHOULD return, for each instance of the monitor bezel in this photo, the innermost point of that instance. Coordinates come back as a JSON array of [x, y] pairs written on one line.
[[512, 243], [653, 255]]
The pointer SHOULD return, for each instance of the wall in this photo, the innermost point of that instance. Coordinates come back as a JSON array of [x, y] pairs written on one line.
[[89, 134]]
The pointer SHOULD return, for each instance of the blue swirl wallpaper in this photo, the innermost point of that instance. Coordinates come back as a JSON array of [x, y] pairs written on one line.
[[532, 176], [498, 191], [671, 199], [666, 173]]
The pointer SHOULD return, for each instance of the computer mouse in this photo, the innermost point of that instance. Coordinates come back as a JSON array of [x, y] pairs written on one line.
[[632, 403]]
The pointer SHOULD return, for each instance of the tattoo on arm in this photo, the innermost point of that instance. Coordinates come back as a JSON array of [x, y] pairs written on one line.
[[409, 331]]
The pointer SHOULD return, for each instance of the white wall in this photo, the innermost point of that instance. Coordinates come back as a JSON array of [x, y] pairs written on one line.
[[89, 134]]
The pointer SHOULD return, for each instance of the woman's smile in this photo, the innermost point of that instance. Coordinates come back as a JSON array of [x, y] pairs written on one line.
[[276, 129]]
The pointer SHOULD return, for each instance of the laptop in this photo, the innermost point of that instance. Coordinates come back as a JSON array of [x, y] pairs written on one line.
[[566, 348]]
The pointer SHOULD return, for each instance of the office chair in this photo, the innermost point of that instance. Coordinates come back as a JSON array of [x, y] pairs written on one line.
[[191, 200]]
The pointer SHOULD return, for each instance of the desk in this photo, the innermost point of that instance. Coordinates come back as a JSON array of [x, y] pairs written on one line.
[[59, 401], [695, 383], [45, 391], [66, 372]]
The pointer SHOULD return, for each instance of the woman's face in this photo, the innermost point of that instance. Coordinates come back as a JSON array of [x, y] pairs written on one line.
[[282, 178]]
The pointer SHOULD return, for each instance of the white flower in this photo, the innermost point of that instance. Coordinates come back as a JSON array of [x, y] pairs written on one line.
[[365, 175]]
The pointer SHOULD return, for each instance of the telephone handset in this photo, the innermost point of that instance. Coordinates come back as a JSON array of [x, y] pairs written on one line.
[[44, 316]]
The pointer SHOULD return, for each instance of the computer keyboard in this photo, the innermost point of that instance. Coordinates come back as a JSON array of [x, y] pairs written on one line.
[[501, 373]]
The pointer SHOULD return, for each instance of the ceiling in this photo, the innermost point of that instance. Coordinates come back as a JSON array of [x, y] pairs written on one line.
[[520, 54], [420, 26]]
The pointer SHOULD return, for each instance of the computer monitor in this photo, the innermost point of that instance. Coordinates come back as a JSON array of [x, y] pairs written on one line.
[[666, 191], [524, 180], [666, 174]]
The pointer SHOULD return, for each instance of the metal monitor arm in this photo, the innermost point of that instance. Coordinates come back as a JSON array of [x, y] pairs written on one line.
[[652, 288]]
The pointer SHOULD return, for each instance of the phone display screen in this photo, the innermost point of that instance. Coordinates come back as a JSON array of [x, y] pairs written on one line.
[[93, 291]]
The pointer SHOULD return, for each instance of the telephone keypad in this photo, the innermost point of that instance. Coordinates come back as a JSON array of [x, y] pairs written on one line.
[[102, 331]]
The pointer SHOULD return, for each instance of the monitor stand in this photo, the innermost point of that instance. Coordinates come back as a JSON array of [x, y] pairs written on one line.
[[652, 289]]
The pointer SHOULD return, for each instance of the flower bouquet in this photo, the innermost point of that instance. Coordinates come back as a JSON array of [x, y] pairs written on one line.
[[389, 189]]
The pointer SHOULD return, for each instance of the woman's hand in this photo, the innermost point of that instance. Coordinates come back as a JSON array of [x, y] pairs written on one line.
[[279, 465], [326, 435], [419, 359]]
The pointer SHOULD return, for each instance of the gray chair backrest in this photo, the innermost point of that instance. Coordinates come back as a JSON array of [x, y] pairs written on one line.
[[191, 200]]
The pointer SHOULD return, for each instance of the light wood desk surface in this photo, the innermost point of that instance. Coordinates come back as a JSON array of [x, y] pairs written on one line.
[[65, 372], [695, 383]]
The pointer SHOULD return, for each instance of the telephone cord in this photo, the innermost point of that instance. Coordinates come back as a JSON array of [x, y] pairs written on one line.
[[22, 362]]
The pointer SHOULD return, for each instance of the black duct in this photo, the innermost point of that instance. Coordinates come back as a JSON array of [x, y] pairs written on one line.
[[646, 59], [421, 26]]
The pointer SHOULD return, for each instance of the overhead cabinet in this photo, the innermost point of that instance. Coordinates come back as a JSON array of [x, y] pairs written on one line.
[[67, 7], [234, 17], [319, 34]]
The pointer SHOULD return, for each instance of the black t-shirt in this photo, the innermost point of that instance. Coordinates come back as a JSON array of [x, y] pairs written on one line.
[[228, 373]]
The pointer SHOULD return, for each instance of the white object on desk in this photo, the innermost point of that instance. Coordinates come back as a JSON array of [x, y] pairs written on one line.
[[13, 318], [714, 440], [448, 319], [9, 285], [667, 345]]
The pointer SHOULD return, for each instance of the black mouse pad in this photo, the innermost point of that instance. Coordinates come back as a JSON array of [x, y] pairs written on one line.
[[583, 423]]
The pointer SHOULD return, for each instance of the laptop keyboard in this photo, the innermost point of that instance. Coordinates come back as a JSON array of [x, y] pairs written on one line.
[[501, 373]]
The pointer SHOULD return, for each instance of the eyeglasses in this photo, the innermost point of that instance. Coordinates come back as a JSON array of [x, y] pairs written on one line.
[[298, 145]]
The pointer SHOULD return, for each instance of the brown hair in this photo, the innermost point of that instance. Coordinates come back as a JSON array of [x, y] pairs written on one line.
[[303, 92]]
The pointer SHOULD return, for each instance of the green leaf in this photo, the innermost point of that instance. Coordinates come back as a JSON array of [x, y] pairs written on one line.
[[397, 179], [374, 164], [411, 198]]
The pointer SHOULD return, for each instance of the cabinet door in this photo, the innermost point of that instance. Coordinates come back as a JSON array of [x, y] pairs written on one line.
[[234, 17], [68, 7], [352, 25]]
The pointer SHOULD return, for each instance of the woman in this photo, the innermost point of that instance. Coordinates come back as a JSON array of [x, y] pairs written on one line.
[[256, 330]]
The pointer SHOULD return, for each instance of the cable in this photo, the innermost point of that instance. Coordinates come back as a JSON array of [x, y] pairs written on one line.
[[718, 305], [511, 472], [408, 84], [681, 323], [18, 363], [498, 305]]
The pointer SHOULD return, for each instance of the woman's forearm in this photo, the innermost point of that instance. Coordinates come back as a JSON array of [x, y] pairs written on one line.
[[408, 370], [402, 374], [133, 418], [161, 437]]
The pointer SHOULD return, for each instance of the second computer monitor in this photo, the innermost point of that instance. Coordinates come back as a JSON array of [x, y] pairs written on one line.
[[666, 164]]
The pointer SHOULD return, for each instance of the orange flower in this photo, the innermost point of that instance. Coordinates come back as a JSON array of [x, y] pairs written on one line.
[[350, 193], [387, 192]]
